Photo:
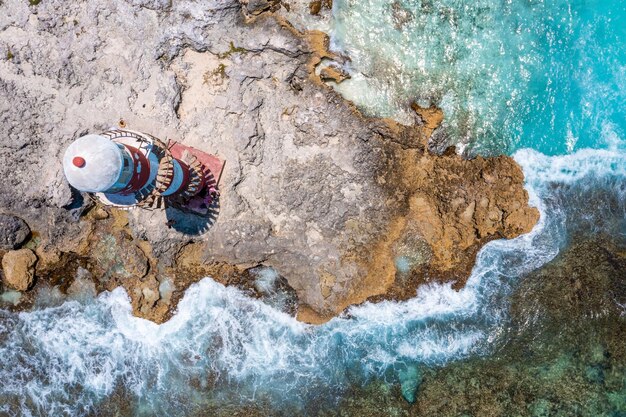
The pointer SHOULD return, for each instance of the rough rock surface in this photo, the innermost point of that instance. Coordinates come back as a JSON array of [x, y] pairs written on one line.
[[334, 73], [13, 232], [316, 6], [18, 267], [344, 207]]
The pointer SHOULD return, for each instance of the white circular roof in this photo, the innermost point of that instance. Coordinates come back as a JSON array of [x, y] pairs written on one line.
[[92, 163]]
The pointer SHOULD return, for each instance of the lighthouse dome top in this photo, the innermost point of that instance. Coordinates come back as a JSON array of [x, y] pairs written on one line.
[[93, 163]]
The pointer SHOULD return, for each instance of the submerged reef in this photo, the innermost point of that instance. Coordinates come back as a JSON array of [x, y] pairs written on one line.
[[342, 207], [563, 355]]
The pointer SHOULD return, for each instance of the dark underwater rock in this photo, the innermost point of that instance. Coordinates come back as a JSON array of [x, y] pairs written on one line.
[[563, 353], [410, 380]]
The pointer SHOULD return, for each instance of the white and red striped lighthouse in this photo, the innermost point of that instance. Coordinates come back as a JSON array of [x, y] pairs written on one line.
[[126, 169]]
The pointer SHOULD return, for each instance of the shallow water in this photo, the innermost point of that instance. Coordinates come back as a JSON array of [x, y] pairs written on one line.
[[542, 74]]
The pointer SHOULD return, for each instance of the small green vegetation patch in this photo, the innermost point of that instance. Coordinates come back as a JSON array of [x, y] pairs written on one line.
[[220, 71], [233, 50], [216, 76]]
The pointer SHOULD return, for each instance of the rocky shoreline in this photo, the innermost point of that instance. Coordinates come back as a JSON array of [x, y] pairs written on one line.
[[343, 207], [563, 355]]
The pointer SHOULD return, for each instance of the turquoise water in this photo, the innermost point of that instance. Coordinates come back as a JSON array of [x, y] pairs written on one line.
[[548, 75]]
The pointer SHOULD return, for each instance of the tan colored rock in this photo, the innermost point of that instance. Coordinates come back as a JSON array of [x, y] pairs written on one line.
[[431, 117], [19, 269], [135, 261], [309, 315], [100, 214], [455, 206], [146, 299], [315, 7], [497, 206], [518, 221], [468, 214], [149, 297], [327, 281], [319, 43], [334, 73], [48, 256]]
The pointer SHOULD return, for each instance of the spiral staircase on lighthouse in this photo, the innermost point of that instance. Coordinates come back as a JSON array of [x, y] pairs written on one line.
[[124, 169]]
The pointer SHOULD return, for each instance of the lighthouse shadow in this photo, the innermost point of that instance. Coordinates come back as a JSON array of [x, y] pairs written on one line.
[[191, 223]]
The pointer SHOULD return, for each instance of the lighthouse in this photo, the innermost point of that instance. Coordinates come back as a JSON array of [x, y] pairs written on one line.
[[125, 169]]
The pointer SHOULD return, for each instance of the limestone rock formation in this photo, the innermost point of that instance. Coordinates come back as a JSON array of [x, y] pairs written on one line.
[[117, 256], [344, 207], [19, 269], [334, 73], [13, 232], [316, 6], [467, 203]]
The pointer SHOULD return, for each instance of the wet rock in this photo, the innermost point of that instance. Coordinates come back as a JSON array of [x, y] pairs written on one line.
[[430, 117], [146, 299], [400, 15], [118, 256], [586, 280], [564, 353], [82, 286], [541, 408], [19, 269], [439, 140], [595, 374], [334, 73], [13, 232], [11, 297], [315, 7], [410, 380], [166, 288], [272, 289]]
